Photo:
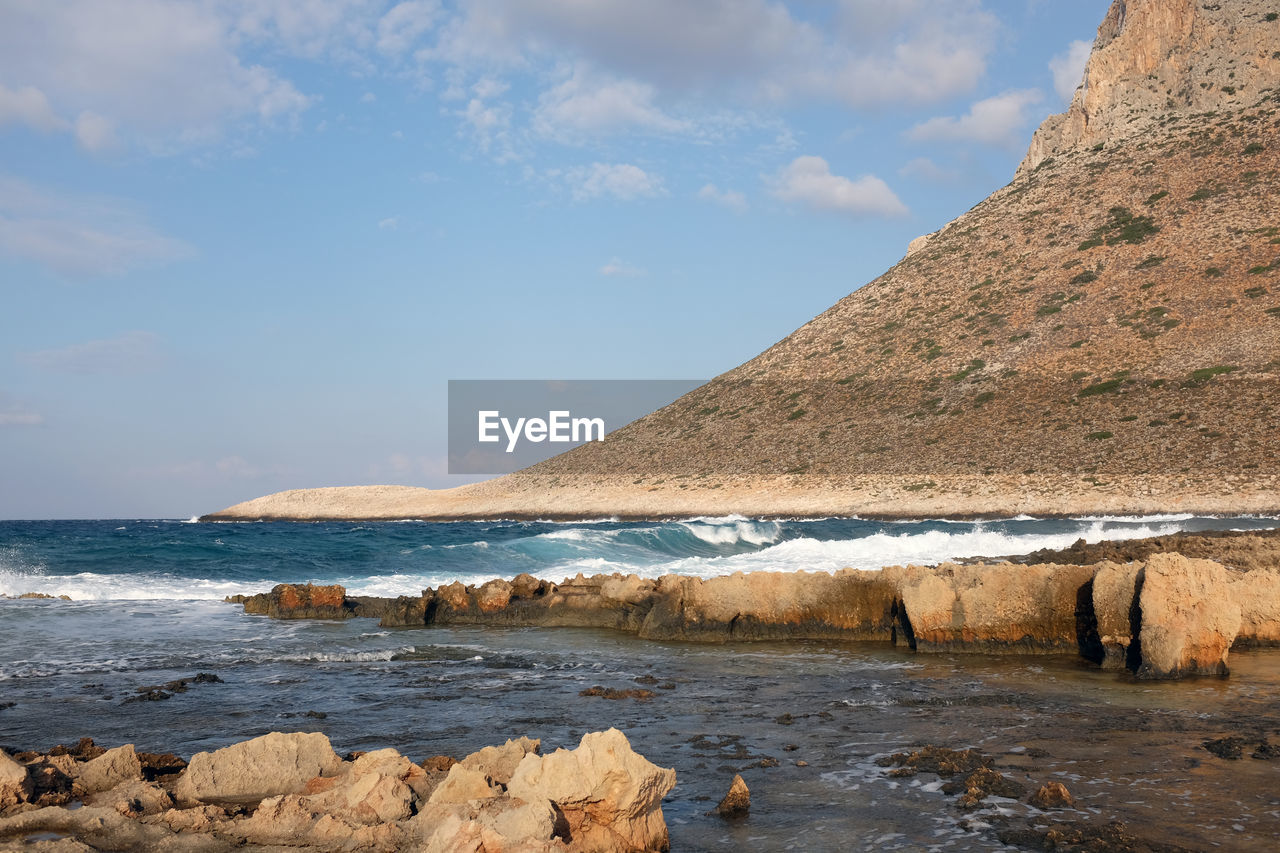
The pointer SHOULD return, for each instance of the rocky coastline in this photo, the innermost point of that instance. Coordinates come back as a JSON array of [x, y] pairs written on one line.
[[294, 792], [1162, 615]]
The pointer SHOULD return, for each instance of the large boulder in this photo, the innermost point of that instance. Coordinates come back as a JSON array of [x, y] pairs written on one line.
[[15, 782], [1114, 598], [1189, 618], [114, 767], [849, 604], [1258, 594], [267, 766], [993, 608], [611, 797]]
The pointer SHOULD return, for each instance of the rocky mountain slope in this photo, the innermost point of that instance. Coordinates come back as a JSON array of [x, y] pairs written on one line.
[[1101, 334]]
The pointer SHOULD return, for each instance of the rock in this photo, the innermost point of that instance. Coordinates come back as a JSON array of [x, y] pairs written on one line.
[[1052, 795], [1114, 595], [114, 767], [737, 802], [1258, 594], [1188, 618], [994, 608], [498, 763], [15, 782], [462, 785], [133, 799], [980, 784], [611, 798], [379, 787], [616, 693], [266, 766], [301, 601], [937, 759], [850, 604], [1230, 747], [492, 825]]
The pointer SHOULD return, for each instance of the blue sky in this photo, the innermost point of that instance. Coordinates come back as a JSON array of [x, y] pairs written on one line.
[[245, 243]]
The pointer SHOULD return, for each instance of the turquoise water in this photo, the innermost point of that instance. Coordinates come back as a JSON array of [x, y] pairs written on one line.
[[147, 609]]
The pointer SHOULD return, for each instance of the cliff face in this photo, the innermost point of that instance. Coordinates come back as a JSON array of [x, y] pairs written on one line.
[[1157, 58]]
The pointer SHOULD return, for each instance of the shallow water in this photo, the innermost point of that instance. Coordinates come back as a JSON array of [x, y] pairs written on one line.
[[1127, 750]]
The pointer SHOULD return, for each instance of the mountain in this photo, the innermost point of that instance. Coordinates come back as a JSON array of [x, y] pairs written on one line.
[[1101, 335]]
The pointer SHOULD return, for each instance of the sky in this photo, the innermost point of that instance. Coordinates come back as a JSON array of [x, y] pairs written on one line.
[[244, 244]]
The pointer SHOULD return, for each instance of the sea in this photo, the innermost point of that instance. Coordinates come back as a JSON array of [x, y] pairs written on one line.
[[803, 722]]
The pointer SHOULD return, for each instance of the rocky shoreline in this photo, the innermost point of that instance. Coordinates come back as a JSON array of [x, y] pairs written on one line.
[[1165, 615], [293, 792]]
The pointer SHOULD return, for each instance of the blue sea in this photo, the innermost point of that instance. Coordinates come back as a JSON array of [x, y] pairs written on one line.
[[803, 722]]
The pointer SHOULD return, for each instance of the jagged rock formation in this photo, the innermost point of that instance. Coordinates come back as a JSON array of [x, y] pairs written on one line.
[[292, 791], [1101, 335], [1156, 58]]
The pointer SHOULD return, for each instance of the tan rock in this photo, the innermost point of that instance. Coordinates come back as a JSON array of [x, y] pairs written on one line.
[[1258, 594], [15, 782], [610, 796], [266, 766], [1188, 617], [738, 801], [499, 762], [1052, 795], [114, 767], [133, 799], [494, 595], [462, 785], [1114, 597], [1001, 607]]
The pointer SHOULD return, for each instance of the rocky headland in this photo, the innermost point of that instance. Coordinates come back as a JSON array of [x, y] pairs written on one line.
[[293, 792], [1098, 336]]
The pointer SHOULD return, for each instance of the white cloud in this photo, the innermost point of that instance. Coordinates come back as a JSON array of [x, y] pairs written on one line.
[[168, 72], [95, 133], [78, 235], [489, 125], [404, 24], [1068, 68], [390, 223], [997, 120], [588, 103], [14, 414], [732, 199], [808, 181], [922, 50], [620, 180], [617, 268], [132, 352], [29, 106]]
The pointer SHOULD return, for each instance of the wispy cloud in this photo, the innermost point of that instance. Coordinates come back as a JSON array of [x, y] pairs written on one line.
[[732, 199], [616, 268], [132, 352], [808, 181], [14, 413], [623, 181], [79, 235]]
